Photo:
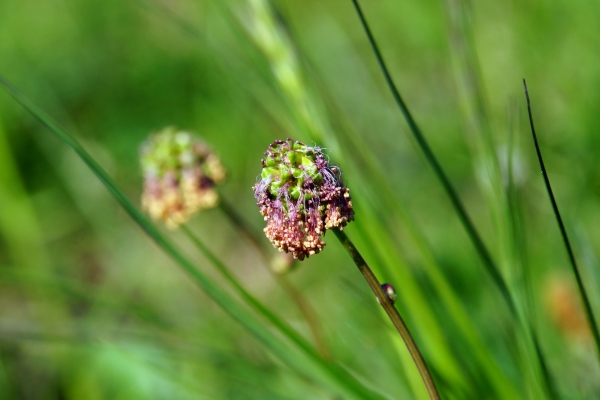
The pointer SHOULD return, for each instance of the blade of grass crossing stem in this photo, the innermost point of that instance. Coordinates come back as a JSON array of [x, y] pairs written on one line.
[[303, 362], [432, 160], [582, 291], [410, 296]]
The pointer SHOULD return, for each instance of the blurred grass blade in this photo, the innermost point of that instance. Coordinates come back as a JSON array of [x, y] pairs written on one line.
[[439, 348], [253, 238], [330, 375], [388, 200], [246, 296], [582, 291], [483, 252], [480, 136]]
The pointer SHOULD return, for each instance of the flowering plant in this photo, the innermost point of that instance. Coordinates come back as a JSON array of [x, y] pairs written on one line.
[[300, 196], [180, 174]]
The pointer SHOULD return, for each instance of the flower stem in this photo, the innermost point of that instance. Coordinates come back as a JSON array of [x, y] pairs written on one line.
[[303, 306], [392, 313]]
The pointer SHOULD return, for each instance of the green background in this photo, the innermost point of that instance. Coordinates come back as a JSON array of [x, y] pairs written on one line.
[[91, 308]]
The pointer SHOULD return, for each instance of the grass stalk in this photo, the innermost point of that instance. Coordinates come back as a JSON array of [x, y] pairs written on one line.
[[480, 135], [299, 356], [391, 311], [582, 291], [480, 247], [519, 260]]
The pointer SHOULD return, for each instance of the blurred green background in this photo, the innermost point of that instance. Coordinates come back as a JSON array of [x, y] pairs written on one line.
[[91, 308]]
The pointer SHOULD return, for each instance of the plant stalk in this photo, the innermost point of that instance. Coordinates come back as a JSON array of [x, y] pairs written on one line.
[[464, 218], [582, 291], [392, 313]]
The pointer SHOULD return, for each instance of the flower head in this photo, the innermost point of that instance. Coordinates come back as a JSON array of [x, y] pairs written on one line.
[[300, 196], [180, 173]]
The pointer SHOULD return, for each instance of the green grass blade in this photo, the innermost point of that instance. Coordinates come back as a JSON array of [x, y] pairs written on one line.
[[371, 175], [329, 375], [246, 296], [582, 291], [480, 136], [483, 252], [426, 318]]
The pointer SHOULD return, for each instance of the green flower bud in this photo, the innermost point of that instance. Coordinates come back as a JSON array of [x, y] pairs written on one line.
[[300, 196], [180, 173]]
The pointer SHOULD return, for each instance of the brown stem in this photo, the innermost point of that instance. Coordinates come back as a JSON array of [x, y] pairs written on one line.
[[305, 308], [392, 313]]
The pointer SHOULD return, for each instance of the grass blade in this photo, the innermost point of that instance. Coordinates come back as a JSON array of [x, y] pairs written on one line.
[[483, 252], [244, 294], [582, 291], [329, 375]]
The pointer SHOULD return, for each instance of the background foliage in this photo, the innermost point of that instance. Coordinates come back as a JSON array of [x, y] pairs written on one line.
[[91, 308]]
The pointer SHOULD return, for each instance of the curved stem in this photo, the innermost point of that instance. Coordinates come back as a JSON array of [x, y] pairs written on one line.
[[582, 291], [392, 313]]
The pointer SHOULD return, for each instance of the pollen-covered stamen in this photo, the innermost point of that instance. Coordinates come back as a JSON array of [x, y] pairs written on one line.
[[300, 196]]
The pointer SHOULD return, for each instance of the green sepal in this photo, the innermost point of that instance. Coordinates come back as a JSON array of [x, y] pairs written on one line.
[[270, 162], [297, 173], [317, 178], [267, 172], [294, 158], [298, 146], [295, 192]]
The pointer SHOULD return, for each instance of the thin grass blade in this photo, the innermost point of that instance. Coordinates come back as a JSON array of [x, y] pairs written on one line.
[[304, 363], [582, 291], [483, 252]]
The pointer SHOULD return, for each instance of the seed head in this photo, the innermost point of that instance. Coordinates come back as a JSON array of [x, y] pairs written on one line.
[[180, 174], [300, 196]]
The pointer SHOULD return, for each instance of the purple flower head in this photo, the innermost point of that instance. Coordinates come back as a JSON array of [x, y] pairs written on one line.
[[300, 196]]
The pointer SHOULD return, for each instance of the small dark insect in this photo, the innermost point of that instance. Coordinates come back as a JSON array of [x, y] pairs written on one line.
[[389, 291]]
